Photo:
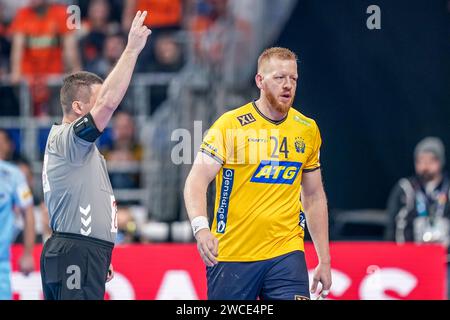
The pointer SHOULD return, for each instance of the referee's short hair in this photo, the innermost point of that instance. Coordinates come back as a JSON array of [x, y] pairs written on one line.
[[77, 87]]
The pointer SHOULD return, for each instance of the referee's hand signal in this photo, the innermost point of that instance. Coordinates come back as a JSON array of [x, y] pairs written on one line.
[[137, 37]]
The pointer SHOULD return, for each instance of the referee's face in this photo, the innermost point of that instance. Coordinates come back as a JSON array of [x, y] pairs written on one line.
[[279, 83]]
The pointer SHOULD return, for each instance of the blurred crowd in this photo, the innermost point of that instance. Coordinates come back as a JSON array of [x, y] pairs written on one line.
[[42, 40]]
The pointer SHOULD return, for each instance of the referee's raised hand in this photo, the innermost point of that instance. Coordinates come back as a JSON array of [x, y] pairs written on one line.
[[137, 37]]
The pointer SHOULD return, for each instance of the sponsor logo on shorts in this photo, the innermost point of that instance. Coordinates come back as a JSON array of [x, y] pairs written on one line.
[[246, 119], [276, 172], [225, 193], [298, 297]]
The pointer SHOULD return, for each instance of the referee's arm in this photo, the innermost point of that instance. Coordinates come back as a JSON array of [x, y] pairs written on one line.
[[117, 82]]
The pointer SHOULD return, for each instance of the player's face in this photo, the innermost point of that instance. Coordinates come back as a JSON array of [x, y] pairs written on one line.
[[427, 166], [279, 83]]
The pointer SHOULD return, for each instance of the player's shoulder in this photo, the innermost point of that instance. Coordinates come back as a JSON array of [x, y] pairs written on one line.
[[302, 120], [9, 170], [235, 116]]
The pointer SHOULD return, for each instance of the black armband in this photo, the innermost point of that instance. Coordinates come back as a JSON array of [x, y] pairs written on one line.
[[86, 129]]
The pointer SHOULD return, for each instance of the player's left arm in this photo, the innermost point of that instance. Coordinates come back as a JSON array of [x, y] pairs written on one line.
[[316, 211], [24, 201], [27, 261]]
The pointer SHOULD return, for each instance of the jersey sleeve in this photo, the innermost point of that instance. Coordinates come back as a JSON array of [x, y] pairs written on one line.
[[313, 162], [19, 22], [22, 193], [214, 144]]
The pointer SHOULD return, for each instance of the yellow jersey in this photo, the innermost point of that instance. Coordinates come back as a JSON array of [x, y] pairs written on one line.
[[258, 214]]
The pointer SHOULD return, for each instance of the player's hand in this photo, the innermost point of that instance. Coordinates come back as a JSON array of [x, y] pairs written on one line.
[[110, 273], [322, 274], [137, 37], [26, 263], [208, 247]]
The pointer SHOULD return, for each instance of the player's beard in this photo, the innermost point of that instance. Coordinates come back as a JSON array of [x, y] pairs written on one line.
[[277, 105]]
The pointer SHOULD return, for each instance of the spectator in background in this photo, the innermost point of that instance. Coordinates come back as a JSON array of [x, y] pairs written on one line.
[[116, 9], [168, 54], [95, 29], [7, 147], [15, 195], [41, 215], [162, 13], [418, 206], [124, 153], [168, 57], [219, 36], [127, 231], [9, 103], [165, 17], [113, 47], [40, 42]]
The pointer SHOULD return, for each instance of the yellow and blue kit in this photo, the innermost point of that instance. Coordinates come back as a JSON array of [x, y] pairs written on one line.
[[258, 212]]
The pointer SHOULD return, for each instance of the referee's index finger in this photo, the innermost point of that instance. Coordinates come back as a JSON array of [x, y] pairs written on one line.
[[136, 19], [142, 18]]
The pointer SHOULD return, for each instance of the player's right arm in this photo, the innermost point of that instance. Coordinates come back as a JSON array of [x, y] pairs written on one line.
[[117, 82], [203, 171]]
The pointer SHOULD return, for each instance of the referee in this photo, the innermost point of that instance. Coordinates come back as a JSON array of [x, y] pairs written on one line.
[[76, 260]]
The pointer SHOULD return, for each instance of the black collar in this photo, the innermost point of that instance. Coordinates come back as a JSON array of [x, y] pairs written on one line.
[[276, 122]]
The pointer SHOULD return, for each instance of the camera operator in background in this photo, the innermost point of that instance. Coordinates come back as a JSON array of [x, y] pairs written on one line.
[[418, 206]]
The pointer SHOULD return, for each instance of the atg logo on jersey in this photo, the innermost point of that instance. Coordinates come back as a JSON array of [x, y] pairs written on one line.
[[276, 172]]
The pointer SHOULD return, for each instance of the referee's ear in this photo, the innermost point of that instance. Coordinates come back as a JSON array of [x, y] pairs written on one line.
[[77, 108]]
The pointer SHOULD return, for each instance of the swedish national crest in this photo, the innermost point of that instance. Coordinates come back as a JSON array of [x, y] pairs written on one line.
[[300, 145]]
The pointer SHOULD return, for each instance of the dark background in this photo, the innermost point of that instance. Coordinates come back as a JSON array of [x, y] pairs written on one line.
[[374, 93]]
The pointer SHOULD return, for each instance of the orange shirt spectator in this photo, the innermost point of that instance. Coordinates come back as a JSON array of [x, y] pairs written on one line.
[[43, 50], [161, 13]]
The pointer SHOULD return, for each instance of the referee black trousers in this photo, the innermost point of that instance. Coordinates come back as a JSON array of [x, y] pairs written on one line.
[[75, 267]]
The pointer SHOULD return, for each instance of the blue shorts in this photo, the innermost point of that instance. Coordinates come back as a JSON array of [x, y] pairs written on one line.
[[281, 278], [5, 280]]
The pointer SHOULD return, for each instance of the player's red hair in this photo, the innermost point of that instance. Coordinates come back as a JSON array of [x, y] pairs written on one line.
[[275, 52]]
